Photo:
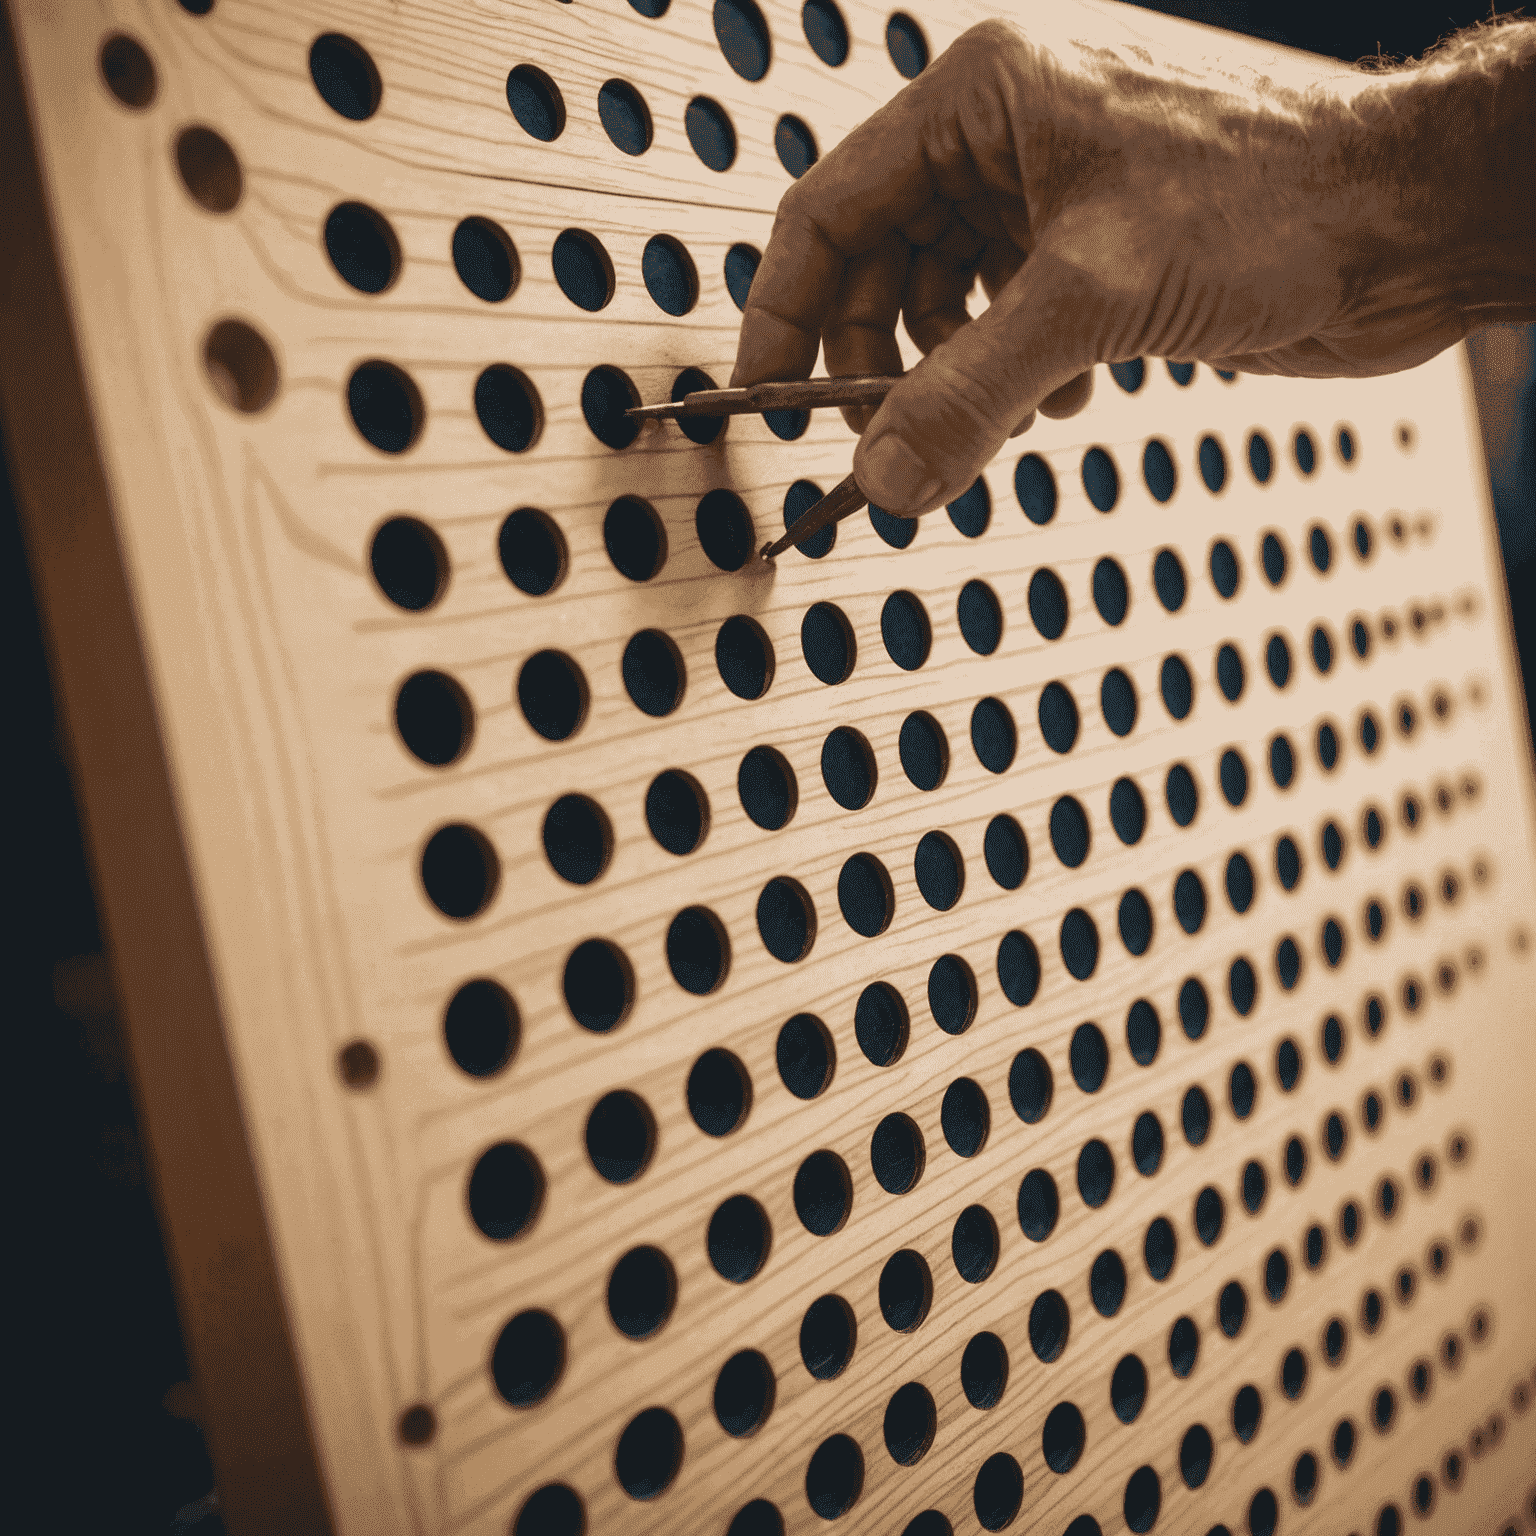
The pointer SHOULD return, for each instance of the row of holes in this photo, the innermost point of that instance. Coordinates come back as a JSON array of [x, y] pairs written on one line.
[[648, 1456]]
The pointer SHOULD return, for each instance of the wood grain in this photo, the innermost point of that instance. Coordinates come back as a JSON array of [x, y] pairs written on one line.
[[274, 662]]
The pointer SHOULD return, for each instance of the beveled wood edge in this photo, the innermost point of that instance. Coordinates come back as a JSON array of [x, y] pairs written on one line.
[[202, 1174]]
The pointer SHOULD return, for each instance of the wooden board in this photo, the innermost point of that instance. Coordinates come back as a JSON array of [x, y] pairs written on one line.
[[388, 1184]]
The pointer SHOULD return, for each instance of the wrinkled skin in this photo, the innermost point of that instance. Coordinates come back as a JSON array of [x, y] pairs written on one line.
[[1317, 221]]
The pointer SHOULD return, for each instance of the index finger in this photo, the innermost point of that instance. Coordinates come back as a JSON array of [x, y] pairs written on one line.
[[880, 178]]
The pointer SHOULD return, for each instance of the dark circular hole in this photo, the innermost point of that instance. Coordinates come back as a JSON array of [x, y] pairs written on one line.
[[823, 1193], [584, 271], [1255, 1186], [998, 1492], [552, 694], [1232, 1309], [1101, 480], [1006, 851], [905, 630], [1247, 1410], [1240, 883], [940, 873], [1079, 943], [1035, 487], [1095, 1173], [719, 1091], [1194, 1008], [508, 407], [599, 985], [1117, 702], [744, 657], [536, 103], [827, 33], [670, 276], [625, 117], [1089, 1056], [744, 1393], [1242, 986], [606, 396], [923, 751], [1069, 831], [1039, 1205], [702, 430], [1127, 811], [649, 1453], [243, 371], [1143, 1032], [578, 839], [677, 811], [798, 500], [417, 1425], [865, 895], [1260, 459], [911, 1421], [527, 1359], [1168, 580], [1128, 1389], [984, 1370], [786, 920], [358, 239], [481, 1027], [1263, 1513], [1063, 1436], [1242, 1088], [795, 144], [1143, 1499], [358, 1064], [1306, 457], [1225, 570], [1157, 469], [1181, 794], [698, 950], [485, 259], [1213, 467], [1111, 594], [1018, 968], [974, 1244], [1049, 1324], [826, 640], [434, 717], [806, 1056], [898, 532], [827, 1336], [1130, 376], [1183, 1347], [906, 1290], [1107, 1283], [993, 736], [505, 1191], [345, 76], [741, 264], [1048, 604], [1210, 1215], [1176, 686], [738, 1239], [897, 1154], [980, 617], [1277, 660], [714, 142], [971, 511], [743, 37], [848, 768], [1160, 1248], [653, 672], [908, 48], [409, 563], [1147, 1144], [1189, 901], [459, 870], [952, 994], [128, 71], [880, 1023], [532, 551], [1230, 674], [1030, 1086], [621, 1136]]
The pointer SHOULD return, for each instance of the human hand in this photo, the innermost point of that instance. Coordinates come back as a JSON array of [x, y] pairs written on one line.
[[1303, 219]]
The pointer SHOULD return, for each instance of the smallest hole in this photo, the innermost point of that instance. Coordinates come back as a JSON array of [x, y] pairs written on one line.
[[240, 366], [358, 1064], [209, 169], [418, 1424], [128, 71]]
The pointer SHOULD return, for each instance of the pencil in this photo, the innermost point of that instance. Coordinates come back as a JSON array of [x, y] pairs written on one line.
[[844, 499], [796, 395]]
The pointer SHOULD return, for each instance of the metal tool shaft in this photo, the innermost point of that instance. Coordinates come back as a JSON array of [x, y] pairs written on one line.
[[844, 499], [794, 395]]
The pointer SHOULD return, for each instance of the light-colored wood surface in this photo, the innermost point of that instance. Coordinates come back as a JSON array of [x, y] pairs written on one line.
[[274, 661]]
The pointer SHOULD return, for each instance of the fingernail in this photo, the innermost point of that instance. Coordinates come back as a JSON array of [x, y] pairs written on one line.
[[895, 478]]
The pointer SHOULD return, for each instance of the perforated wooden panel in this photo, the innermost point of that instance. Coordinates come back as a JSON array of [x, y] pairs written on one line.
[[1018, 1020]]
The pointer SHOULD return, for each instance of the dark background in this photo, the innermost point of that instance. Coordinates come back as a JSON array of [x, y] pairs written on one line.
[[110, 1442]]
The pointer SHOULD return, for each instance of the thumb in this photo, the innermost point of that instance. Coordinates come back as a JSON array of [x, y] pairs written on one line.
[[952, 413]]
